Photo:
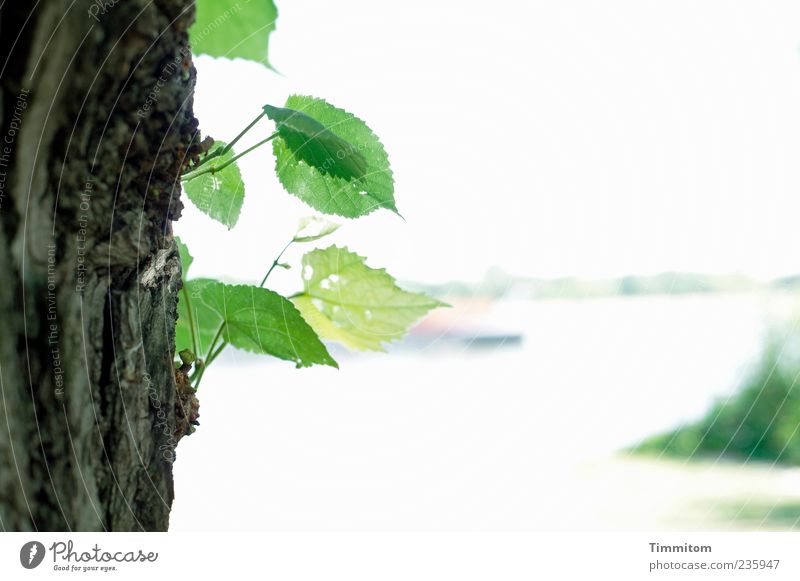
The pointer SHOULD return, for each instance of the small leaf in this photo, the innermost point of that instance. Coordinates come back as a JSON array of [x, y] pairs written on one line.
[[187, 356], [319, 158], [361, 307], [220, 195], [186, 258], [313, 228], [262, 321], [233, 29]]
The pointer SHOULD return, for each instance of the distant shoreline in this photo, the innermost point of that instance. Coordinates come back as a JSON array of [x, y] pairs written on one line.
[[497, 284]]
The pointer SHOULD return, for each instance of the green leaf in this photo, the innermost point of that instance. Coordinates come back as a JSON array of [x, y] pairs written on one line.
[[206, 320], [313, 228], [220, 194], [262, 321], [233, 29], [318, 146], [361, 307], [326, 173], [186, 258]]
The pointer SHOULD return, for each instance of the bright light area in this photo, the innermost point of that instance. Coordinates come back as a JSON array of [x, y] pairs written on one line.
[[570, 138], [547, 138]]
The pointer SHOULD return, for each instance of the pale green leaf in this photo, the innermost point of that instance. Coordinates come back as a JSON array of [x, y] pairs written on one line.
[[312, 228], [347, 301], [327, 174], [262, 321], [220, 195], [327, 329], [233, 29]]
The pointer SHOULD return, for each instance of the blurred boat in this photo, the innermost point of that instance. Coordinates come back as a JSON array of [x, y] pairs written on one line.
[[469, 322]]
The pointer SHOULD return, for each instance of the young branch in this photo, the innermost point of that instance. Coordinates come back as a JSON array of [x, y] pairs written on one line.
[[223, 150], [216, 168]]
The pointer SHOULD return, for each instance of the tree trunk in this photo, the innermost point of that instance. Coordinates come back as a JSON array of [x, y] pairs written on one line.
[[96, 125]]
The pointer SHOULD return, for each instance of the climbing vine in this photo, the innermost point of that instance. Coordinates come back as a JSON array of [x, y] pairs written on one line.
[[332, 161]]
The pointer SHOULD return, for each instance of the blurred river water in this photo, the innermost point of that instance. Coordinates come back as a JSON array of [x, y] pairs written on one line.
[[444, 434]]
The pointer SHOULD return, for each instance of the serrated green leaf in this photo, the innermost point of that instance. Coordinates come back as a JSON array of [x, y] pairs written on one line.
[[346, 191], [233, 29], [262, 321], [206, 320], [220, 195], [317, 145], [312, 228], [361, 307]]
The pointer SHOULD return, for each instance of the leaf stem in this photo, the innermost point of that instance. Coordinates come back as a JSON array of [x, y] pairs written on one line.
[[215, 168], [228, 147], [217, 352], [189, 311], [214, 154], [275, 262], [213, 350], [216, 338], [210, 355], [223, 150]]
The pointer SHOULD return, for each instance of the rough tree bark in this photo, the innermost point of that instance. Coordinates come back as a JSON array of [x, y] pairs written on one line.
[[96, 125]]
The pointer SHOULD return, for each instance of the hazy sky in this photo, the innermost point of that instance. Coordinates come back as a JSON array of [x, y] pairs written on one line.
[[547, 138]]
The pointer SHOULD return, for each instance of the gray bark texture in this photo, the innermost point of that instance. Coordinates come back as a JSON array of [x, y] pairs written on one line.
[[96, 126]]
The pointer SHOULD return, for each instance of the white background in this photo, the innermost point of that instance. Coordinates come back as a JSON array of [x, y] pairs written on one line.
[[546, 138]]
